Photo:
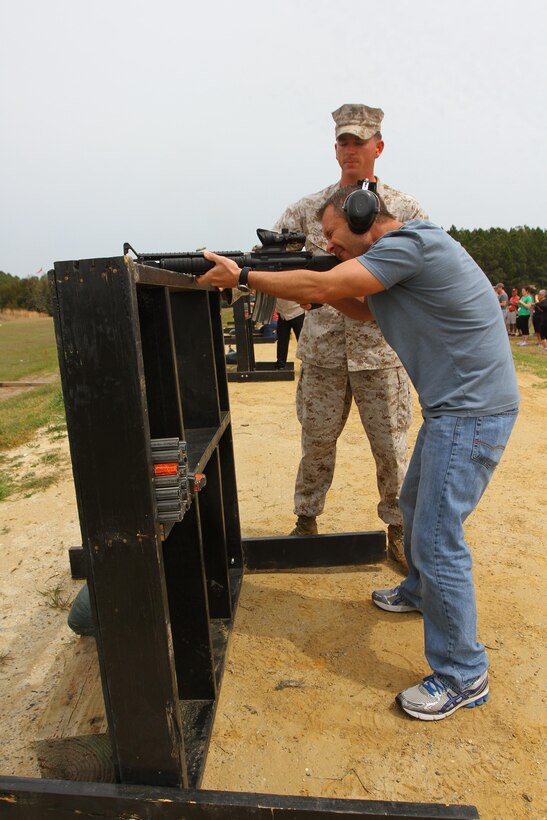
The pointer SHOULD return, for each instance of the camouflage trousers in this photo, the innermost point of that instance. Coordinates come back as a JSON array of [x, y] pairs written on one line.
[[323, 402]]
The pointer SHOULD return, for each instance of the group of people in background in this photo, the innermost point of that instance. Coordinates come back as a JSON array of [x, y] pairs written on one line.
[[517, 310]]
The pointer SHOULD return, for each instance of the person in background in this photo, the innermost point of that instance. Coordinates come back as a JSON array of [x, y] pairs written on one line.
[[540, 311], [512, 312], [537, 317], [525, 304], [344, 360], [503, 299], [290, 316]]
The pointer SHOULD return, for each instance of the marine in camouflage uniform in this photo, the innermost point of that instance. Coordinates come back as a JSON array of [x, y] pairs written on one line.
[[343, 359]]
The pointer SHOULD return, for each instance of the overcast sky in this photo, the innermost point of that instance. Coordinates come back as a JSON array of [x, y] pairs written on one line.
[[174, 124]]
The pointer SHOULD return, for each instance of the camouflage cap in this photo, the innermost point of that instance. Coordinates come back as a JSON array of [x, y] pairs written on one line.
[[359, 120]]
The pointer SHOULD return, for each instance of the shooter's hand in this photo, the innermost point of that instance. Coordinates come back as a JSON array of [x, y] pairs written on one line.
[[225, 274]]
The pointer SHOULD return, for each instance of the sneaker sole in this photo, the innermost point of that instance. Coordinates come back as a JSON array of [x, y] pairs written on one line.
[[482, 698]]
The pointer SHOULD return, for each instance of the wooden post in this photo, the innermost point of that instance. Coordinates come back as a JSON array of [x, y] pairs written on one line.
[[72, 736]]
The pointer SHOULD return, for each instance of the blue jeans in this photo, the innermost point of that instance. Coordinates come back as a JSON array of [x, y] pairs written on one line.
[[452, 463]]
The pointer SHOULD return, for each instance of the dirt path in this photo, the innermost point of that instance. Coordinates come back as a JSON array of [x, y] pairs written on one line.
[[10, 389], [307, 700]]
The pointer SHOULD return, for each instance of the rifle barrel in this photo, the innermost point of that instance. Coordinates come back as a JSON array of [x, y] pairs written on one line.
[[195, 264]]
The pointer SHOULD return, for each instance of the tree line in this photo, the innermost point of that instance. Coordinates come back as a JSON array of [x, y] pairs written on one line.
[[516, 257], [27, 293]]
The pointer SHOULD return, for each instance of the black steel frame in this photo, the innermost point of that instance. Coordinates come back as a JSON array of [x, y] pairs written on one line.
[[248, 369], [141, 353]]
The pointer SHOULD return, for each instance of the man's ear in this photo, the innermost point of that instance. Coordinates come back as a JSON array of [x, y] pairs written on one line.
[[379, 147]]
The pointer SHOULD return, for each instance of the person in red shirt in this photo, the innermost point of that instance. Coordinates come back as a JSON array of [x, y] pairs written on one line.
[[512, 312]]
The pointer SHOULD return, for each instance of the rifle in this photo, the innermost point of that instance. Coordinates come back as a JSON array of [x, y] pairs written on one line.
[[272, 255]]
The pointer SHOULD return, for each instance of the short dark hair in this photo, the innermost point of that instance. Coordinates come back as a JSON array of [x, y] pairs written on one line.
[[337, 199]]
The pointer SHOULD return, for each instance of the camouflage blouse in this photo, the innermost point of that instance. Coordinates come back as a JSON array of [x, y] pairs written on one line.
[[328, 338]]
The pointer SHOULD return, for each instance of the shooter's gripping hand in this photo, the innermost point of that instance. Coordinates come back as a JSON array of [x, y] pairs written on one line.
[[225, 273]]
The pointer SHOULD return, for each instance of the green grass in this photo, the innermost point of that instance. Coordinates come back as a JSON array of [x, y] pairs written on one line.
[[28, 348], [51, 458], [32, 483], [22, 415], [56, 597], [6, 486], [531, 360], [23, 479]]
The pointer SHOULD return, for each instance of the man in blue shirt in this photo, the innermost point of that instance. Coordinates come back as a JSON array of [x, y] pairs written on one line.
[[438, 311]]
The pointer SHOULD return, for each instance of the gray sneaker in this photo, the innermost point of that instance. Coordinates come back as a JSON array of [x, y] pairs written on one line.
[[433, 700], [392, 601]]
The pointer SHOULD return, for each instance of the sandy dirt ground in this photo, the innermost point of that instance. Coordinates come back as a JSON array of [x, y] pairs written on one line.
[[307, 702]]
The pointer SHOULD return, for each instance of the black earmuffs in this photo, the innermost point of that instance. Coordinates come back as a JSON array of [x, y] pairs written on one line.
[[361, 209]]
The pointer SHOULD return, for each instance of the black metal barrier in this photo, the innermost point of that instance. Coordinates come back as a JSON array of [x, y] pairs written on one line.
[[248, 369]]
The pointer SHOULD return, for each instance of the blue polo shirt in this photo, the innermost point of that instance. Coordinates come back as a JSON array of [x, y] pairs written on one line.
[[441, 316]]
